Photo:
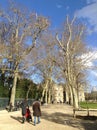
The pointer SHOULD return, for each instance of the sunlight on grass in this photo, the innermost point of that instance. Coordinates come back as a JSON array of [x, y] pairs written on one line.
[[88, 105]]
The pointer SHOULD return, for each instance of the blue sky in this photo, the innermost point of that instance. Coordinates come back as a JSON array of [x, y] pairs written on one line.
[[56, 11]]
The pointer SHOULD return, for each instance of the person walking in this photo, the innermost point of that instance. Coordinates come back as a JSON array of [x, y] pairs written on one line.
[[24, 104], [36, 111]]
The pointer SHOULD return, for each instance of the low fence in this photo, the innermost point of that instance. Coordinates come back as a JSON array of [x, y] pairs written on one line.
[[5, 101], [85, 112]]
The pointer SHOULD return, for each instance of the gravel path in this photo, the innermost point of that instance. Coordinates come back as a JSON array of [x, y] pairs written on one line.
[[54, 117]]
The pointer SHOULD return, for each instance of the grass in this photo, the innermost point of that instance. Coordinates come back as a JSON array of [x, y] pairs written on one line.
[[88, 105]]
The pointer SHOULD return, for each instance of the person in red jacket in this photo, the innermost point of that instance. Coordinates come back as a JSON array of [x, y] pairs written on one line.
[[28, 114]]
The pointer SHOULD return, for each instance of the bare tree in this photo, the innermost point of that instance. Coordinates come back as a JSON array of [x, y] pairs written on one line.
[[20, 32], [44, 63], [71, 46]]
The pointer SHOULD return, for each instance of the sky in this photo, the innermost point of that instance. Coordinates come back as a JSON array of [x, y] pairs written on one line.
[[57, 10]]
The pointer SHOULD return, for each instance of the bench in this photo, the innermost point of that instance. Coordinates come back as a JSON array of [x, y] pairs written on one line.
[[83, 110]]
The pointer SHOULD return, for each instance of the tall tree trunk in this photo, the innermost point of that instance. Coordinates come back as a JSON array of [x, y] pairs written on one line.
[[46, 91], [46, 96], [78, 97], [27, 94], [49, 96], [71, 95], [75, 94], [75, 98], [13, 91], [42, 95]]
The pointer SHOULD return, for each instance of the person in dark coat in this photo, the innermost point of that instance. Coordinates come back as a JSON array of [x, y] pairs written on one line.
[[24, 104], [36, 111]]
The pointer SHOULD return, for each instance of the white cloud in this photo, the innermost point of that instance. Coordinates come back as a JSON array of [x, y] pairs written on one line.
[[59, 6], [91, 1], [94, 73], [67, 8], [89, 12], [88, 59]]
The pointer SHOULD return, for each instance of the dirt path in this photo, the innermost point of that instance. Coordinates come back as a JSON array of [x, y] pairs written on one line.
[[54, 117]]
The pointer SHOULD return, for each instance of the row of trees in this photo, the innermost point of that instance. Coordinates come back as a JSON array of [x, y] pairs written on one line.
[[27, 47], [91, 96], [25, 87]]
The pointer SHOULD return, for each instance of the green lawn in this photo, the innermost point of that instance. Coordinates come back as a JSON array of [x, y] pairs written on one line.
[[88, 105]]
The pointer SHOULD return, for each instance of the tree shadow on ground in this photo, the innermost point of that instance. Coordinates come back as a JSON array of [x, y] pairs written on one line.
[[67, 119], [91, 118], [88, 122], [19, 119]]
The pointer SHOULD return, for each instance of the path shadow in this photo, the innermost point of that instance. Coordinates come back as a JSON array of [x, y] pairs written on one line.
[[60, 118], [88, 122], [67, 119], [91, 118], [19, 119]]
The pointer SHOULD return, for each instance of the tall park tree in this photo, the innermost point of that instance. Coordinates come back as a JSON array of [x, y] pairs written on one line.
[[71, 46], [19, 34], [45, 65]]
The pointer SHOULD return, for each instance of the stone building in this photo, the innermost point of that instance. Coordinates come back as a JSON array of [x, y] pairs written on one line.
[[81, 95], [59, 95]]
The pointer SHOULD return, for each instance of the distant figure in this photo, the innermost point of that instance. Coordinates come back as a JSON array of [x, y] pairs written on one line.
[[10, 107], [36, 111], [24, 104], [17, 106], [28, 114]]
